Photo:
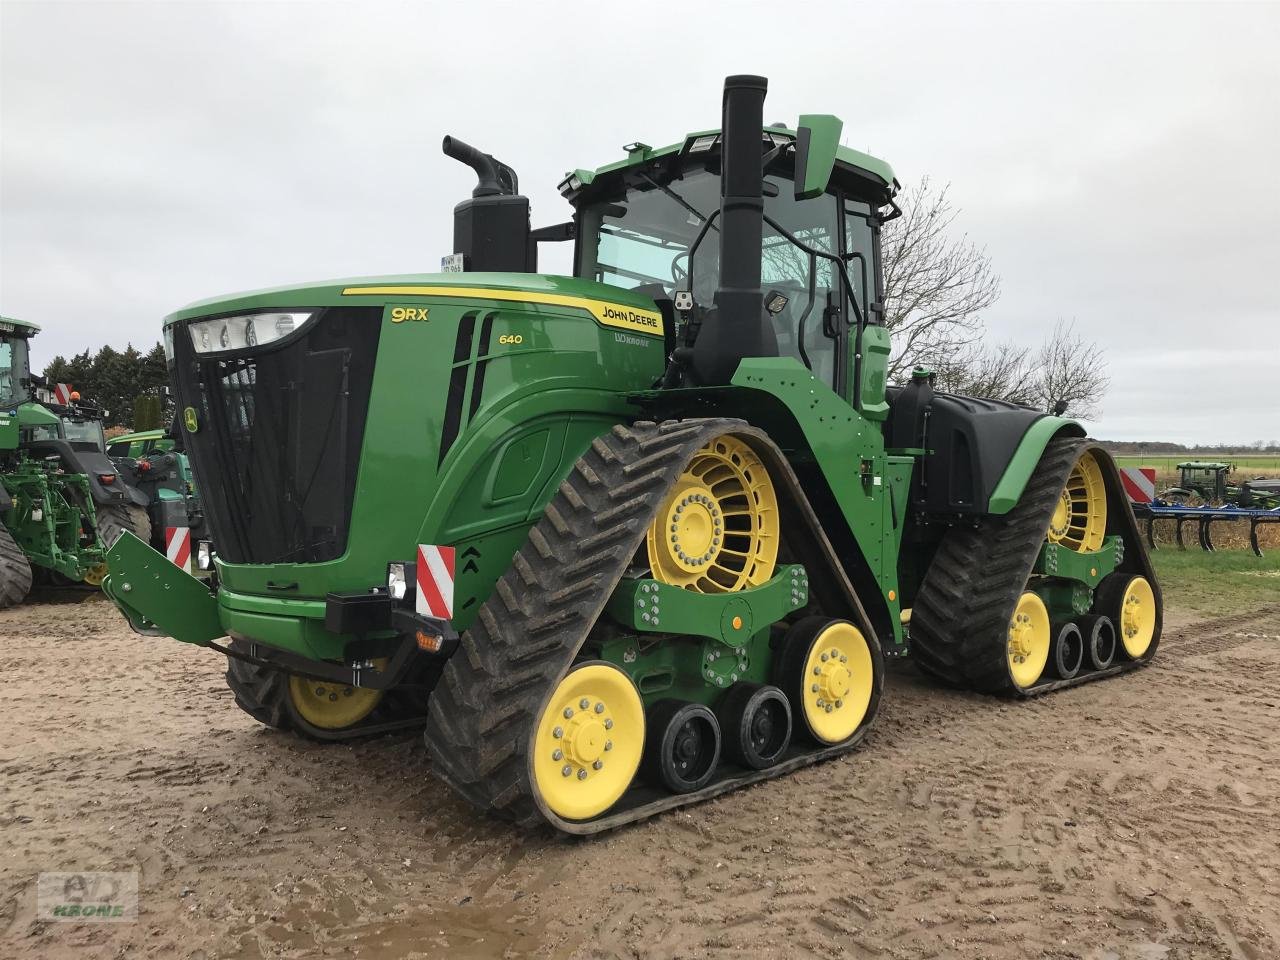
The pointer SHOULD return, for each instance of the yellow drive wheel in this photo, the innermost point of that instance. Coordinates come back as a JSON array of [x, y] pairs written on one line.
[[588, 742], [717, 531], [1029, 640], [329, 705], [95, 575], [827, 670], [1079, 518], [1130, 601]]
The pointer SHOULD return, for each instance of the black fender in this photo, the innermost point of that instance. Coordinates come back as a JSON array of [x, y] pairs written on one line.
[[94, 464], [977, 450]]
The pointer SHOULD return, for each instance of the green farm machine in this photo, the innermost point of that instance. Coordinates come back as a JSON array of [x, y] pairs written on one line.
[[641, 535], [61, 499], [1208, 482]]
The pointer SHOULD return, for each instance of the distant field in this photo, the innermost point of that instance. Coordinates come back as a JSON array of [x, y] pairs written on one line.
[[1269, 463]]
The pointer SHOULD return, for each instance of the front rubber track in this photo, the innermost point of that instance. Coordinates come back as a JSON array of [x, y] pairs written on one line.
[[263, 693], [960, 618], [482, 714]]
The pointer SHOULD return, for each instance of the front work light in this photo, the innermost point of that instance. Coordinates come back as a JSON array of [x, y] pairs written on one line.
[[204, 555], [397, 586], [248, 330]]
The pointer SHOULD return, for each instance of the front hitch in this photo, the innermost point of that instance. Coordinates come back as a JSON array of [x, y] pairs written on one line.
[[157, 597]]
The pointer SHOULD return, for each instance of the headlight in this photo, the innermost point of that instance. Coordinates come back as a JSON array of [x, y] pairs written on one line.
[[396, 583], [204, 555], [249, 330]]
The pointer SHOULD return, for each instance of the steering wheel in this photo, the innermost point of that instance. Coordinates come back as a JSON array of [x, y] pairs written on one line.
[[678, 273]]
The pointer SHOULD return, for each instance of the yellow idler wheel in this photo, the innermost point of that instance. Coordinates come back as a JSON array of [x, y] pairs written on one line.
[[717, 531], [588, 742], [1137, 617], [331, 706], [96, 574], [1079, 519], [1029, 640], [827, 670], [1130, 601]]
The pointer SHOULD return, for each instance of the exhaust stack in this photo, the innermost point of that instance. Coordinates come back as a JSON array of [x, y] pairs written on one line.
[[491, 230], [736, 327]]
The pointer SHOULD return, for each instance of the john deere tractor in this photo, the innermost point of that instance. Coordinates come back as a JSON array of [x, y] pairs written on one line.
[[640, 535], [60, 498]]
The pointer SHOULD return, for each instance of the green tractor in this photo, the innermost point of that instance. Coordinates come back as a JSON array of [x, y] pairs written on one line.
[[1202, 481], [153, 462], [60, 497], [638, 536]]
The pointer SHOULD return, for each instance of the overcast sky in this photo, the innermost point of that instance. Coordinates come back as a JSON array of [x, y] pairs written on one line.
[[1120, 163]]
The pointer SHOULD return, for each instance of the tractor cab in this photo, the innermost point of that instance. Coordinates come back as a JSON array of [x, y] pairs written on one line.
[[15, 374], [652, 224], [1207, 479], [82, 431]]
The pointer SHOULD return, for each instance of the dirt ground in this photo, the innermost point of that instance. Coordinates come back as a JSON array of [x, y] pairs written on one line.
[[1134, 818]]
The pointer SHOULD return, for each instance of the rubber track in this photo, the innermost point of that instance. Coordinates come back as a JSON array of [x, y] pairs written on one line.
[[263, 693], [15, 571], [484, 709], [960, 618]]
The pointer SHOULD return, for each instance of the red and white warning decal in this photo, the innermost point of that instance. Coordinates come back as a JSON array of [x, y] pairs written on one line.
[[62, 393], [435, 581], [1139, 483], [177, 546]]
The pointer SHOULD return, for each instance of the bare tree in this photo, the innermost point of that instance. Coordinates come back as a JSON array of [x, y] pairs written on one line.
[[1000, 372], [1071, 373], [936, 285]]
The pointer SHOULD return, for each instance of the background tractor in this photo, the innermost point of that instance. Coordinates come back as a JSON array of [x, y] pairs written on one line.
[[61, 499], [1208, 482], [153, 462], [641, 535]]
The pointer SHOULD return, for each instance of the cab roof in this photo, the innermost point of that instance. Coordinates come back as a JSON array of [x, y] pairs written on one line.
[[14, 325], [860, 165]]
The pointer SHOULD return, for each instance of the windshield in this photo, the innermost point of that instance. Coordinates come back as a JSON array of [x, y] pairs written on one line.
[[642, 241], [13, 369], [85, 431]]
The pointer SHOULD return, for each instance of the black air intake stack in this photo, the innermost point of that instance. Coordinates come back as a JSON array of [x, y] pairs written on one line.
[[491, 230], [736, 327]]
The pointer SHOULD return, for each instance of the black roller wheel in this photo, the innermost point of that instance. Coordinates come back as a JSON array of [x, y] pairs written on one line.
[[682, 746], [1099, 640], [756, 720], [1068, 650]]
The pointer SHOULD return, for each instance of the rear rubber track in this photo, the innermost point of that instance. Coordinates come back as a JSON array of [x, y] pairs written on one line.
[[960, 618], [528, 633], [15, 571]]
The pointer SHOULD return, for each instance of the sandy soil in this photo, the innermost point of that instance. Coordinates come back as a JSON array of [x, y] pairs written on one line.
[[1136, 818]]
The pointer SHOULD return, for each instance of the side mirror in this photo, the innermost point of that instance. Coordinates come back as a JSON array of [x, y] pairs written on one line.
[[817, 137]]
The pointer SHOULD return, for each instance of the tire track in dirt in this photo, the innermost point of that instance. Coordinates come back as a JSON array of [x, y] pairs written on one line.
[[1138, 817]]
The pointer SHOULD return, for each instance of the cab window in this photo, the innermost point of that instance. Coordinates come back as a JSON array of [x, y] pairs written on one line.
[[642, 239]]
